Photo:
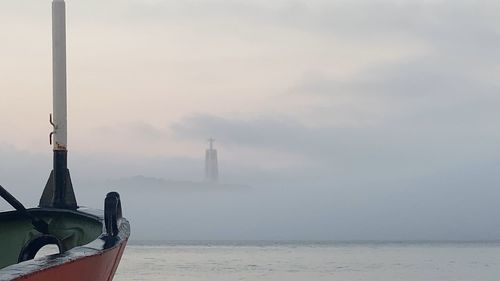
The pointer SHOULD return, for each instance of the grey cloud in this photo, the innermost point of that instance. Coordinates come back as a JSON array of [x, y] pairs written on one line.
[[138, 131], [403, 149], [261, 132], [444, 22], [425, 80]]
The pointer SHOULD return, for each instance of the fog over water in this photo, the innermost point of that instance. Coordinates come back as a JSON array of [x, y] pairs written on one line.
[[334, 120]]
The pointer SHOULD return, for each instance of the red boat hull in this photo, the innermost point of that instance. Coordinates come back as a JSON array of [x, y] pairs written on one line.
[[99, 267]]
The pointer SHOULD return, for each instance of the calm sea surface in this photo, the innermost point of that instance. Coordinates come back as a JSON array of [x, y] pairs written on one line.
[[311, 262]]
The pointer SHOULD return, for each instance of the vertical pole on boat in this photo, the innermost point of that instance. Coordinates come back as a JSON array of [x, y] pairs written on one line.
[[58, 192], [59, 75]]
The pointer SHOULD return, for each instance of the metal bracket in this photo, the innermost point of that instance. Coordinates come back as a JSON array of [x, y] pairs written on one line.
[[53, 126]]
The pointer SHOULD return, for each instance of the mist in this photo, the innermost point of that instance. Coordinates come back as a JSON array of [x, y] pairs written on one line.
[[334, 120]]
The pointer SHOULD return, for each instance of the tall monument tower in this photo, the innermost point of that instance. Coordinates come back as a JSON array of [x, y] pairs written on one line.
[[211, 165]]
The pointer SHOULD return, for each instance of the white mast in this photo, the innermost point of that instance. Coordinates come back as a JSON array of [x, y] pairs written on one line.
[[59, 74], [58, 192]]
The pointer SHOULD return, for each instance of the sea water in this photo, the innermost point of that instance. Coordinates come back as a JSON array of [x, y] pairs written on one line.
[[305, 261]]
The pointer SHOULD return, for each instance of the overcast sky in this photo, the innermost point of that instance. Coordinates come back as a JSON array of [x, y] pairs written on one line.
[[348, 119]]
